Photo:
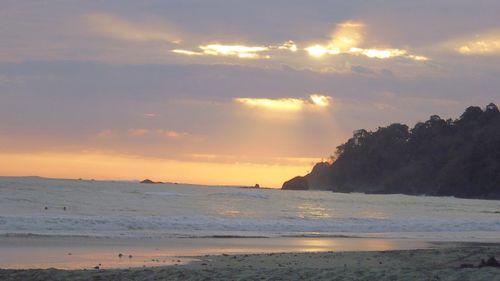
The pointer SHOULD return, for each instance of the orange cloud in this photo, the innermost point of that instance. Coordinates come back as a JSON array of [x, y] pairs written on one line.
[[170, 133], [138, 132], [487, 44]]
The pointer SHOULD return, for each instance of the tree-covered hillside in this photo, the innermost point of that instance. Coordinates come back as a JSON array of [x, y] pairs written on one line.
[[438, 157]]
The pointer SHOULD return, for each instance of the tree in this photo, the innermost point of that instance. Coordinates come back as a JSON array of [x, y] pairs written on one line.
[[436, 157]]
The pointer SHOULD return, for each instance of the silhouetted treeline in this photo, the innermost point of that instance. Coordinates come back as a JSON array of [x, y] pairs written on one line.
[[438, 157]]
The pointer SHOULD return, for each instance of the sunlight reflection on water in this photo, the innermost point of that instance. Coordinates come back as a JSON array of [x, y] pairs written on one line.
[[309, 210]]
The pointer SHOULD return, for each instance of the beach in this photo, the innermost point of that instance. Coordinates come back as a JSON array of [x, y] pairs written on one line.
[[448, 261]]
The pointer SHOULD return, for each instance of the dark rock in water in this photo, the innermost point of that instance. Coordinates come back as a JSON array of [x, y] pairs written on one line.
[[147, 181], [466, 265], [490, 262], [297, 183], [256, 186]]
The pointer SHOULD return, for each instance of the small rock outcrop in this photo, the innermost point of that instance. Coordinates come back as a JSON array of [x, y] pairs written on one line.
[[491, 261], [148, 181]]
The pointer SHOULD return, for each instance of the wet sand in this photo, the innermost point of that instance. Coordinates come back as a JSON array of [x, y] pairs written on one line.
[[30, 252], [445, 262]]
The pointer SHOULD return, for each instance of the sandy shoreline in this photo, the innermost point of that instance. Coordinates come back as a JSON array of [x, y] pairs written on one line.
[[441, 263], [66, 252]]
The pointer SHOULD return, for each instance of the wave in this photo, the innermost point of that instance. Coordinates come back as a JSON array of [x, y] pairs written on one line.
[[187, 226], [124, 209], [242, 194]]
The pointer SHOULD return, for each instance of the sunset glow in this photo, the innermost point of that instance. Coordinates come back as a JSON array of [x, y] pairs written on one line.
[[347, 35], [169, 83], [319, 51], [233, 50], [186, 52], [289, 45], [347, 39], [249, 140], [273, 104], [320, 100], [288, 104], [482, 46], [114, 167]]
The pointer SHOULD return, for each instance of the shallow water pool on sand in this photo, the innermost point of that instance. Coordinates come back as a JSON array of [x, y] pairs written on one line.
[[84, 252]]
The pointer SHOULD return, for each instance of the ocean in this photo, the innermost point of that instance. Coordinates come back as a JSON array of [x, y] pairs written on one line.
[[54, 207]]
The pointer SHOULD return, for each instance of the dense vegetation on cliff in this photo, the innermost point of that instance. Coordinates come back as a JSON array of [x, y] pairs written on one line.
[[438, 157]]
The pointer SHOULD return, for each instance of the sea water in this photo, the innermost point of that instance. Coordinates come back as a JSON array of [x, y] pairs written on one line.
[[38, 206]]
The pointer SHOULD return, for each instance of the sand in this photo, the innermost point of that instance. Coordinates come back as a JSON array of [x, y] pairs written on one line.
[[441, 263]]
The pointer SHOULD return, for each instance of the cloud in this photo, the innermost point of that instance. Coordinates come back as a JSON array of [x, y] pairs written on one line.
[[139, 132], [486, 44], [286, 104], [361, 69], [170, 133], [105, 133], [319, 100], [239, 51], [150, 115], [186, 52], [347, 35], [112, 26], [288, 45], [348, 38]]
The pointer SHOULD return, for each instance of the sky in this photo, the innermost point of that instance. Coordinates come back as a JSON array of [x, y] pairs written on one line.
[[228, 92]]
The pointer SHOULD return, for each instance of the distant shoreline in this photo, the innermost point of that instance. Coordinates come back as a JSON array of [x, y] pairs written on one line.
[[139, 181], [244, 187]]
